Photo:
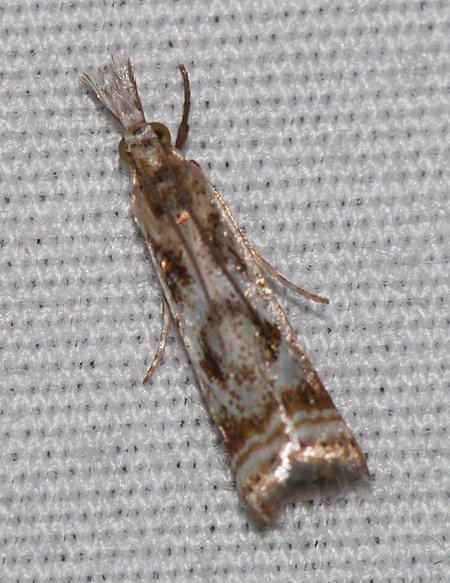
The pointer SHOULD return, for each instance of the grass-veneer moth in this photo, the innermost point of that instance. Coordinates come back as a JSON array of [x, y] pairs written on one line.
[[277, 421]]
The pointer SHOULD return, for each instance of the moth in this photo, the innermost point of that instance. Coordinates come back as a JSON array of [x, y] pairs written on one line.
[[277, 421]]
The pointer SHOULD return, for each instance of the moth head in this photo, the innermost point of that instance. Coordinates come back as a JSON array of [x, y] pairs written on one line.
[[161, 131], [144, 134]]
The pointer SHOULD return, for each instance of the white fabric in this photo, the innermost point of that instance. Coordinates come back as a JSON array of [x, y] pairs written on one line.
[[326, 128]]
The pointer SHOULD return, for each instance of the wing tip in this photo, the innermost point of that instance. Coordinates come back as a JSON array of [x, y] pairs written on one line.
[[326, 466]]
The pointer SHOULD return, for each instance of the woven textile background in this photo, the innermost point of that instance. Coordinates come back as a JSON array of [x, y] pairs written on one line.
[[326, 127]]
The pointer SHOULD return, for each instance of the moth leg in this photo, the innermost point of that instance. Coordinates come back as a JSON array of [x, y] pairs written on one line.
[[265, 265], [162, 341], [275, 274], [183, 128]]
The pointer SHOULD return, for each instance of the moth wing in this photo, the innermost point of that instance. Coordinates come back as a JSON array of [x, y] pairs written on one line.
[[279, 425]]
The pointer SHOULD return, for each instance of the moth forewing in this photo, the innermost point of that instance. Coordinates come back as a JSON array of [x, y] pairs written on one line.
[[278, 423]]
